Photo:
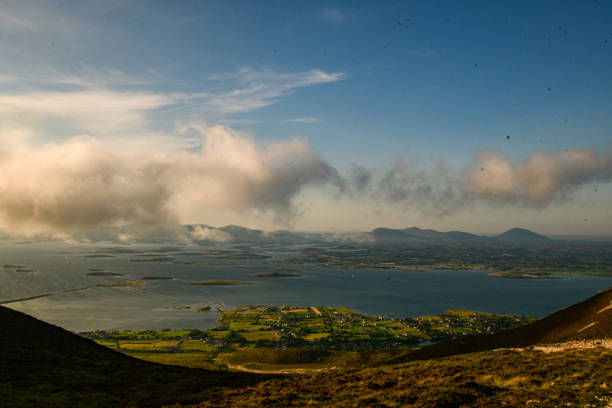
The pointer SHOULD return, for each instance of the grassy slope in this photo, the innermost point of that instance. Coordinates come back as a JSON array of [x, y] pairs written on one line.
[[573, 378], [44, 365]]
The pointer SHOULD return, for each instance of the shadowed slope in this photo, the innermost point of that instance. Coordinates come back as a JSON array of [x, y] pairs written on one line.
[[590, 319], [44, 365]]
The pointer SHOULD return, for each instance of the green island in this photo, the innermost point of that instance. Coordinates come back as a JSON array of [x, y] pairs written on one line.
[[153, 277], [224, 282], [296, 337]]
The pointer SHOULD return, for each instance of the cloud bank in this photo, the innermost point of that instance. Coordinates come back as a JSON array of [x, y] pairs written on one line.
[[85, 183], [540, 180], [142, 167]]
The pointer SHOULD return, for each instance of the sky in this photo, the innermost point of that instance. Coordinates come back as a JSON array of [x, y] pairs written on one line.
[[306, 115]]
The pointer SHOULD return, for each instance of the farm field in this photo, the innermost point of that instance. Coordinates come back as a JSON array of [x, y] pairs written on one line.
[[295, 337]]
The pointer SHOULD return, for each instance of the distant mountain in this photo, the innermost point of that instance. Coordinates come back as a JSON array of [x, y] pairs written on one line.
[[417, 235], [522, 236], [389, 235], [587, 320], [412, 235], [243, 234]]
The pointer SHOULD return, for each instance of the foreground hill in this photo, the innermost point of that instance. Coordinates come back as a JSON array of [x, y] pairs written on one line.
[[44, 365], [587, 320], [575, 378], [571, 375]]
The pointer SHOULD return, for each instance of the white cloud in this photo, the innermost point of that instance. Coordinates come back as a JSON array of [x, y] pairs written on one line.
[[540, 179], [201, 233], [86, 182], [543, 178]]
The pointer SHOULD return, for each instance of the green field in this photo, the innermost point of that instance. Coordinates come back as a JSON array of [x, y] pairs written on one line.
[[277, 330]]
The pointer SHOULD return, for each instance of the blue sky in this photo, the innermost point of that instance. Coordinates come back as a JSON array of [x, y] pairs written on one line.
[[363, 84]]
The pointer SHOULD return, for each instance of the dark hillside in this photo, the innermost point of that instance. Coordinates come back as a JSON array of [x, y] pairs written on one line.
[[44, 365], [590, 319]]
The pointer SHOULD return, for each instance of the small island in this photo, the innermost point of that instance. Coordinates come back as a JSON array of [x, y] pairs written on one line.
[[134, 283], [103, 273], [224, 282], [520, 275], [275, 274], [18, 268], [156, 277], [154, 259]]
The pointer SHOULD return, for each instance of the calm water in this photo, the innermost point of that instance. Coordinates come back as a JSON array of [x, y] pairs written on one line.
[[59, 268]]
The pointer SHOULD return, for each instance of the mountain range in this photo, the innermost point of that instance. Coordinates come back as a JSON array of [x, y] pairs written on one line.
[[412, 235]]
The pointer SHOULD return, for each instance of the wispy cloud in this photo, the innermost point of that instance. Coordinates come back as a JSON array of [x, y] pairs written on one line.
[[38, 17], [255, 89], [331, 15], [13, 22], [91, 111], [107, 102], [421, 53], [81, 77], [303, 120]]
